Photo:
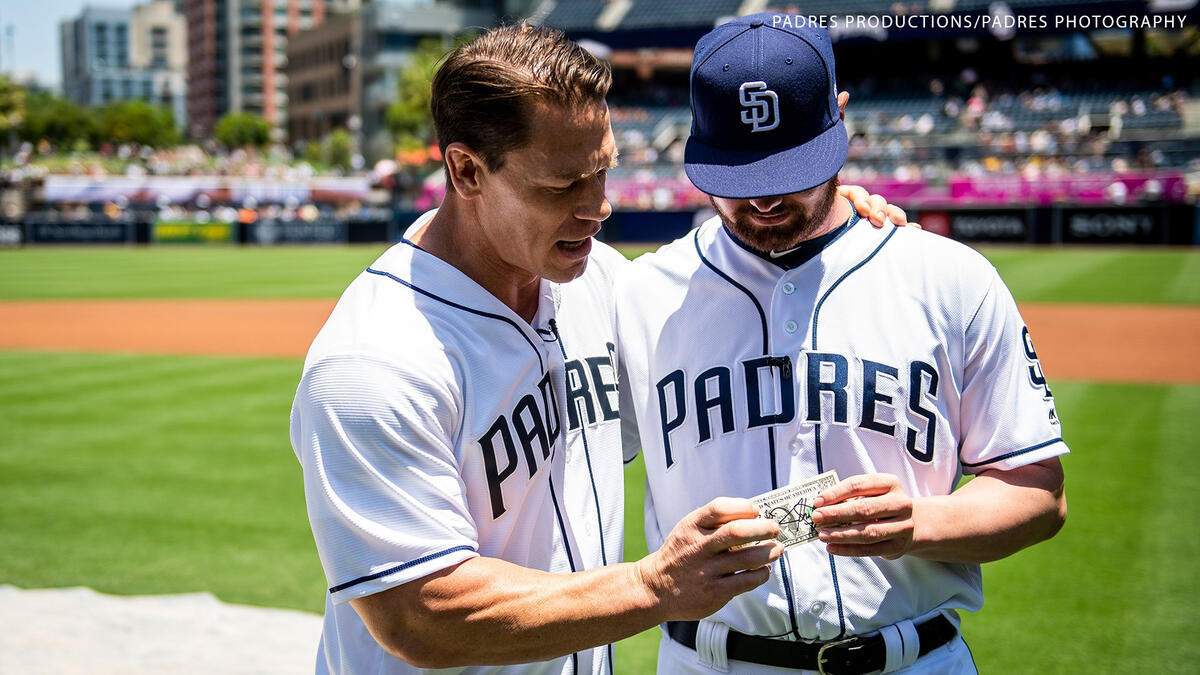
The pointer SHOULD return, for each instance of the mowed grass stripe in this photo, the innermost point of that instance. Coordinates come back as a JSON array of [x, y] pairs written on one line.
[[1045, 274], [1099, 275], [107, 373], [46, 370], [1185, 284], [130, 378], [1114, 591], [1165, 557], [222, 418], [1029, 273], [177, 478], [182, 271]]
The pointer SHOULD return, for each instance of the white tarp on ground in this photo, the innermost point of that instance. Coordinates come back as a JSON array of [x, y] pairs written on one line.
[[77, 630]]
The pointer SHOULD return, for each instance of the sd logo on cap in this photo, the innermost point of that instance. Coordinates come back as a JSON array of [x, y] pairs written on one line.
[[765, 118]]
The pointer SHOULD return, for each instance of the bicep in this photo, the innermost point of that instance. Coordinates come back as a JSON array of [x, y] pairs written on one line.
[[1046, 475], [1025, 494], [385, 498]]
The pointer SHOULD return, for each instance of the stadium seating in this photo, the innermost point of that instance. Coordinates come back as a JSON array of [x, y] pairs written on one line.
[[670, 13], [575, 15]]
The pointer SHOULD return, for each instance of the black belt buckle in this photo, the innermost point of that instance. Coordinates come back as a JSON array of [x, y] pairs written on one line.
[[828, 661]]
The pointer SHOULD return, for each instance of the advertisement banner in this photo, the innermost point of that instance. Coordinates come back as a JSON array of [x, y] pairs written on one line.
[[80, 233], [1113, 226], [937, 222], [297, 232], [189, 232], [1096, 188], [10, 235], [187, 189], [999, 225]]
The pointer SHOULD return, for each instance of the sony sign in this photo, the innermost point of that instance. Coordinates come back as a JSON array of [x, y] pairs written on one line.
[[1124, 226]]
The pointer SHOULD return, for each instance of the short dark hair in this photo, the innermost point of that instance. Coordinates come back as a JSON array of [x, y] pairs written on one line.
[[484, 90]]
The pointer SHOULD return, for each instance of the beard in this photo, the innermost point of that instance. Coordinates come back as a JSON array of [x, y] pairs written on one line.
[[801, 224]]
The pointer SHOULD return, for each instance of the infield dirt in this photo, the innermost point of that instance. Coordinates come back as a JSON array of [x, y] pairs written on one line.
[[1122, 343]]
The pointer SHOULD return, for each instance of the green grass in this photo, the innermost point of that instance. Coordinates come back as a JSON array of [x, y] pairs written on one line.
[[1109, 275], [151, 474], [1116, 590], [183, 271], [1094, 274]]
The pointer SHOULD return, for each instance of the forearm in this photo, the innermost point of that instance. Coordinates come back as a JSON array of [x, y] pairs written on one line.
[[993, 516], [498, 613], [488, 611]]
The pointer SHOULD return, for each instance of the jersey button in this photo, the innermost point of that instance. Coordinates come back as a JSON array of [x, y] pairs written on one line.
[[817, 607], [790, 326], [789, 288], [795, 446]]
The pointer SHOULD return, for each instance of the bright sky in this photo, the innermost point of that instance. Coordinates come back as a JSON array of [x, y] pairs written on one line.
[[33, 28]]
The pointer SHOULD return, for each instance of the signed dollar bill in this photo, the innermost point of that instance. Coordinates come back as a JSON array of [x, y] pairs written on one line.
[[791, 507]]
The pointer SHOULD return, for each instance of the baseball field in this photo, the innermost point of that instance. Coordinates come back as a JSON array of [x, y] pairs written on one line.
[[144, 398]]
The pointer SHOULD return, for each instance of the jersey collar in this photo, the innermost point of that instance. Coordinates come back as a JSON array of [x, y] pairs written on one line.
[[807, 250], [722, 249], [428, 272]]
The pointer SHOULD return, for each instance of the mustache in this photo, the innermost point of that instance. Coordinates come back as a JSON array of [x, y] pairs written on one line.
[[777, 211]]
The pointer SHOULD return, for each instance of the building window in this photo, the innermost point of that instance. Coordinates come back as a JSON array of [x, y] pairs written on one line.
[[122, 43], [100, 32], [158, 47]]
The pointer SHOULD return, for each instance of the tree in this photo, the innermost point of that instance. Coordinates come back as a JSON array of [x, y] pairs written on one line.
[[138, 122], [12, 104], [408, 117], [240, 130], [335, 149], [339, 149], [57, 120]]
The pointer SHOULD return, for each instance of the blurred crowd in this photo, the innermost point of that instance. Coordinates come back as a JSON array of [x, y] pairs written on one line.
[[957, 127], [930, 130], [133, 160]]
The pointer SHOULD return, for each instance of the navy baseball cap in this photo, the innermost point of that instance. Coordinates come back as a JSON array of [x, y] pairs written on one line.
[[764, 109]]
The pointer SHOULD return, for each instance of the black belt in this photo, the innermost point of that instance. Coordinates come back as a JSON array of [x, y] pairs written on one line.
[[854, 656]]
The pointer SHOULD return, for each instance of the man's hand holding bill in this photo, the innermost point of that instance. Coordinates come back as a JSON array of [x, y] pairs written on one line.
[[866, 515], [718, 551]]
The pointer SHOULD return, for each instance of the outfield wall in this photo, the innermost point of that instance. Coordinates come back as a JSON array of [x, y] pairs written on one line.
[[1163, 224]]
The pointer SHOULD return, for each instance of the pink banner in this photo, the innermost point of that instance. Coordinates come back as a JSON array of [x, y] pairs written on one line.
[[1109, 188], [1087, 189]]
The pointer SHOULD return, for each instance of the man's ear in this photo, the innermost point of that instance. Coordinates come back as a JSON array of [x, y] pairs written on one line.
[[466, 170], [843, 98]]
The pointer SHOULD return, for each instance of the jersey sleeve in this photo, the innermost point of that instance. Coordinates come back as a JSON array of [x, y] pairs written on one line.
[[631, 442], [1008, 415], [385, 497]]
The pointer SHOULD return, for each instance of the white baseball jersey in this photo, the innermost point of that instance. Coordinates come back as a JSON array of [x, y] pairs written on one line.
[[433, 424], [891, 351]]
